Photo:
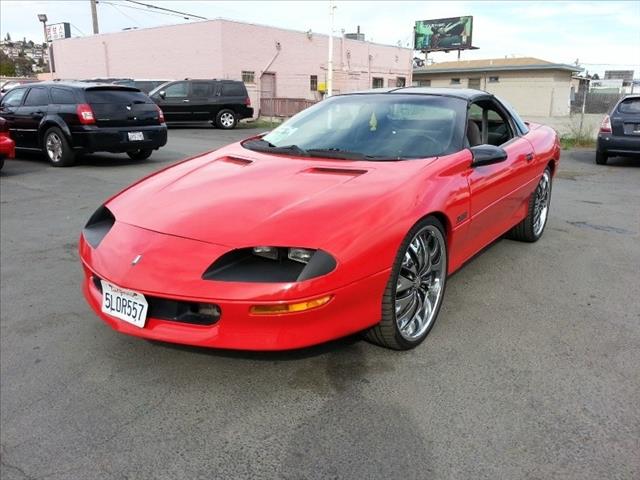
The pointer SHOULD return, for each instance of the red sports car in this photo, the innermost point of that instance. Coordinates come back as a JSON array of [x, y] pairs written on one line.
[[7, 145], [348, 217]]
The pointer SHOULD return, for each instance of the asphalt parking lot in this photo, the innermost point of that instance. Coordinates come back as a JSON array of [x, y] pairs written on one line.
[[532, 371]]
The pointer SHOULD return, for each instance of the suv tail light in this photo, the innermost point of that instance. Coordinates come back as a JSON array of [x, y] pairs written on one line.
[[605, 126], [160, 114], [85, 114], [247, 102]]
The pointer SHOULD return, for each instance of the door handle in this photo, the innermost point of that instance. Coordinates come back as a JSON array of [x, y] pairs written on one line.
[[186, 100], [528, 157]]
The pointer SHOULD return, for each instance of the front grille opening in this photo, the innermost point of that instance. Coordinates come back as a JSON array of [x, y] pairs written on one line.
[[177, 311]]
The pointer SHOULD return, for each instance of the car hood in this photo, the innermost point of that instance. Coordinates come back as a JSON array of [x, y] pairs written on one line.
[[235, 197]]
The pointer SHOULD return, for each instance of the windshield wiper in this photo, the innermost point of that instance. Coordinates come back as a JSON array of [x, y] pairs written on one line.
[[341, 154], [261, 145]]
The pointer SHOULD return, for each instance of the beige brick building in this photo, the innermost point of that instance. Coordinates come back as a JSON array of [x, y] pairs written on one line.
[[534, 87]]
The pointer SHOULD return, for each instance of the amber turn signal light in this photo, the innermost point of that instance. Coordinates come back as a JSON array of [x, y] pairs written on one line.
[[280, 308]]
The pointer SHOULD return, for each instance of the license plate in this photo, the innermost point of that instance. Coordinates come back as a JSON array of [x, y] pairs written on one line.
[[135, 136], [124, 304]]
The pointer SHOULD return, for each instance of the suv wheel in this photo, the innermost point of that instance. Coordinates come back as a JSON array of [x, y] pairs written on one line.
[[57, 148], [141, 154], [226, 119], [601, 157]]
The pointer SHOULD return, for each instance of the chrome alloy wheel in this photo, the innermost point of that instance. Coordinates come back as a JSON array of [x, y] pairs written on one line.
[[54, 147], [227, 119], [541, 203], [420, 284]]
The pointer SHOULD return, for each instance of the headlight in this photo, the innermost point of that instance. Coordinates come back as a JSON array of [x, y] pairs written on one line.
[[268, 264]]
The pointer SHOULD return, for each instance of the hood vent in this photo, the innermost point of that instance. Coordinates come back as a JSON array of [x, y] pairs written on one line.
[[243, 162], [349, 172]]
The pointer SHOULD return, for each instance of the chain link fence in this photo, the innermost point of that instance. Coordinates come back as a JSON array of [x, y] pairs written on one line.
[[595, 102]]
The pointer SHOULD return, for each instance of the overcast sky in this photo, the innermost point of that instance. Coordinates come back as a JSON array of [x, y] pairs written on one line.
[[601, 35]]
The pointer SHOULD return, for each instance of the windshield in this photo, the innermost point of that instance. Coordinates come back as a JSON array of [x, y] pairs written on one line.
[[372, 127]]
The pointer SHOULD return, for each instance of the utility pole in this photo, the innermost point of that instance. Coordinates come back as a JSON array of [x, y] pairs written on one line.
[[43, 18], [332, 7], [94, 16]]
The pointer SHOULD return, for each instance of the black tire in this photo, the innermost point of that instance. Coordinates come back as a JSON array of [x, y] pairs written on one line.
[[65, 157], [226, 119], [387, 333], [1, 163], [526, 230], [601, 157], [141, 154]]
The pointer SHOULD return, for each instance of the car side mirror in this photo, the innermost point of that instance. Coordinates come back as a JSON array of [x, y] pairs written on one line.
[[487, 155], [162, 94]]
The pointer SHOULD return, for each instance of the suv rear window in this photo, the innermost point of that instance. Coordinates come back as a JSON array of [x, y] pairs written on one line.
[[632, 105], [62, 96], [233, 90], [116, 96]]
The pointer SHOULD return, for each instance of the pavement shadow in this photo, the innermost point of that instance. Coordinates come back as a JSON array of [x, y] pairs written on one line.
[[354, 435], [267, 356]]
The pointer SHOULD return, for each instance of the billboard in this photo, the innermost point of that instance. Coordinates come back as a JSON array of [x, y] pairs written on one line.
[[443, 34], [58, 31]]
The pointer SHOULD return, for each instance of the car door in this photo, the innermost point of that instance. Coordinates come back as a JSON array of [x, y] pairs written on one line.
[[30, 114], [8, 110], [200, 101], [174, 101], [497, 191]]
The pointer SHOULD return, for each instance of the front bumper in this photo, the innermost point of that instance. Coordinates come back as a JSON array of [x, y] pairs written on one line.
[[115, 139], [627, 145], [353, 308], [171, 268]]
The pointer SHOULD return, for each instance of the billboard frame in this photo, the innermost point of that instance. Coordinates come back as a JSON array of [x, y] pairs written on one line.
[[448, 48]]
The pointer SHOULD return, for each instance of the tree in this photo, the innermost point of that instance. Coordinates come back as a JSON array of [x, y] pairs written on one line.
[[23, 67], [7, 67], [8, 37]]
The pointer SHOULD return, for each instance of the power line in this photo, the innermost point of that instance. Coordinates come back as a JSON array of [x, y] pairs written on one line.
[[166, 9], [124, 14], [80, 31], [143, 9]]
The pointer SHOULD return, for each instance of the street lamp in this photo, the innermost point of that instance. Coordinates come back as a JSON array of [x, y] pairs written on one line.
[[43, 18]]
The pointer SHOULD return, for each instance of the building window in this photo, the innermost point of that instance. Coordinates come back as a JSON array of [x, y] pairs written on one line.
[[377, 82], [248, 77], [401, 82], [422, 83], [455, 81], [494, 79], [313, 83], [474, 83]]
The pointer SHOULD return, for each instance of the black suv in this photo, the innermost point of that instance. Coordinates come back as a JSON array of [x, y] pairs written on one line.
[[620, 131], [63, 119], [221, 102]]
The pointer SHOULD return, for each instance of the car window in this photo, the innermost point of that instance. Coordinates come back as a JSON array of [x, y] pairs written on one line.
[[116, 95], [520, 125], [233, 90], [377, 126], [37, 96], [631, 105], [496, 130], [13, 98], [177, 90], [201, 89], [62, 96]]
